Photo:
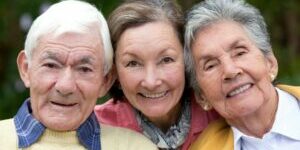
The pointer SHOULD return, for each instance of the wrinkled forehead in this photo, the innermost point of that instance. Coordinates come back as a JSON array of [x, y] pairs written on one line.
[[90, 41], [75, 45]]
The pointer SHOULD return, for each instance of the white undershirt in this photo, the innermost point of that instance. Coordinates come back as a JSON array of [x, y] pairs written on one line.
[[285, 132]]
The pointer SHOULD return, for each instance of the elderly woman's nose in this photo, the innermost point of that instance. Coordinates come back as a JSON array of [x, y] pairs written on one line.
[[66, 83], [151, 78], [230, 70]]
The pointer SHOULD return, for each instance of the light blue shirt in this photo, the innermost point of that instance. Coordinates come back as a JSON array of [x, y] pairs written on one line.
[[285, 132]]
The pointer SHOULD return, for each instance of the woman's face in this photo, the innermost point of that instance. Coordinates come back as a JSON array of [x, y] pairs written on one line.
[[232, 72], [150, 67]]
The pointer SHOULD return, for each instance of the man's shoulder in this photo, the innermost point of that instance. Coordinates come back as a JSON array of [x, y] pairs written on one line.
[[8, 136], [118, 138], [7, 127]]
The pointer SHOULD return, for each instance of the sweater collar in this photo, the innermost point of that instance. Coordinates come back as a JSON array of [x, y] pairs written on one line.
[[29, 130]]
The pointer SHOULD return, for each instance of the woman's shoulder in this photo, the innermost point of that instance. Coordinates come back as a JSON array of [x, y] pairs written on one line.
[[117, 138], [294, 90], [218, 135], [117, 113]]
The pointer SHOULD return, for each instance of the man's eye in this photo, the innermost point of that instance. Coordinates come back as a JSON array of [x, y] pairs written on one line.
[[132, 64], [85, 69], [50, 65]]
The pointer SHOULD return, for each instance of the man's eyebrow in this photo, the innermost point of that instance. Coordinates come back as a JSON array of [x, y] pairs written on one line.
[[87, 60], [50, 55]]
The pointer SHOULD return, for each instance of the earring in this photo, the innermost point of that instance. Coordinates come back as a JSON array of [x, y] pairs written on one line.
[[272, 76], [205, 105]]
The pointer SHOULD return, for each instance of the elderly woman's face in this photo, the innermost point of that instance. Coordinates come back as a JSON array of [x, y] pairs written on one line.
[[65, 78], [232, 72], [149, 61]]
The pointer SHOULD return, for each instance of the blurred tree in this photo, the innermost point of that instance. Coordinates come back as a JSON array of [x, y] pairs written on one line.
[[16, 17]]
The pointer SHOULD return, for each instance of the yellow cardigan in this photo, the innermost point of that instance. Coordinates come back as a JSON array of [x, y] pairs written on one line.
[[219, 136]]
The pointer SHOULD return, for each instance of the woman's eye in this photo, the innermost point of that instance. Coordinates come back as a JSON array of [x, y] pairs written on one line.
[[132, 64], [240, 51], [167, 60], [210, 65]]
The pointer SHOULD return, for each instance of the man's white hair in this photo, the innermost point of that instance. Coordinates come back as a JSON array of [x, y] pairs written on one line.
[[70, 16]]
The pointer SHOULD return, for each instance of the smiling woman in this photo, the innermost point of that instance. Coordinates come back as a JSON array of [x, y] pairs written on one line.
[[150, 95], [233, 66]]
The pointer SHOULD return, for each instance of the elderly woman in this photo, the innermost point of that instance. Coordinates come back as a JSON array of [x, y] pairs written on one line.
[[150, 95], [234, 66]]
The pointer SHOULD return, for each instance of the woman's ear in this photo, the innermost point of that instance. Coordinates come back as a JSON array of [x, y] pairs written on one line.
[[272, 65], [201, 100], [23, 67]]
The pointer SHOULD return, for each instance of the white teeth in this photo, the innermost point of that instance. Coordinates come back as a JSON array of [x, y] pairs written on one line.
[[154, 95], [239, 90]]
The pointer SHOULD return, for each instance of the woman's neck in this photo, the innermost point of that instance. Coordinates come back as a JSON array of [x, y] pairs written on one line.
[[166, 121], [260, 122]]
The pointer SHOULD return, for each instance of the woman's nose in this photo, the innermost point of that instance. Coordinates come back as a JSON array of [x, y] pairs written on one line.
[[151, 79], [231, 70]]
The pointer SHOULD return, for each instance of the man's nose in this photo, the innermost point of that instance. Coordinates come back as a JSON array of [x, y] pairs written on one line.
[[151, 78], [66, 83]]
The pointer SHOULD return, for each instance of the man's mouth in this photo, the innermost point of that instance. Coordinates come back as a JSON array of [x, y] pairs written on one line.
[[63, 104]]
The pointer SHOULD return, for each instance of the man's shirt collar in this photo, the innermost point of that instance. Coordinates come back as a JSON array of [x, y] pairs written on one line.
[[29, 130]]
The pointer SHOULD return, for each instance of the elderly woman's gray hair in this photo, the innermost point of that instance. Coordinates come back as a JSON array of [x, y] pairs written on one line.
[[69, 17], [209, 12]]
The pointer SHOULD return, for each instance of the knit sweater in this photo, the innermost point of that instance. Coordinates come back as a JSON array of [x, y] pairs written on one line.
[[112, 138]]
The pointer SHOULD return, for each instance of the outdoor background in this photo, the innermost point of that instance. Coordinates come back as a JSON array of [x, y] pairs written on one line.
[[16, 16]]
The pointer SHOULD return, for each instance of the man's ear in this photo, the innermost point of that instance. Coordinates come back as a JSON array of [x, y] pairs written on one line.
[[108, 81], [272, 64], [23, 67]]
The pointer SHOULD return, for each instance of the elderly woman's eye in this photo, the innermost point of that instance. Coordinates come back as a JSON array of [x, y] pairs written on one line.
[[240, 51], [209, 66]]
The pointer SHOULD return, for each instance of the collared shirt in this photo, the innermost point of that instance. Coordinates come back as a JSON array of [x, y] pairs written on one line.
[[285, 132], [29, 129]]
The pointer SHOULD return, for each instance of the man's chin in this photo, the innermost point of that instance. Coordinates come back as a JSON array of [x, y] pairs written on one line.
[[61, 124]]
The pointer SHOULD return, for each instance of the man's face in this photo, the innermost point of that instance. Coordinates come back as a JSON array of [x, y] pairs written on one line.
[[65, 77]]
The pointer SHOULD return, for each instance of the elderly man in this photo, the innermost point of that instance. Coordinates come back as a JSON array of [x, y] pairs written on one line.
[[66, 64]]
